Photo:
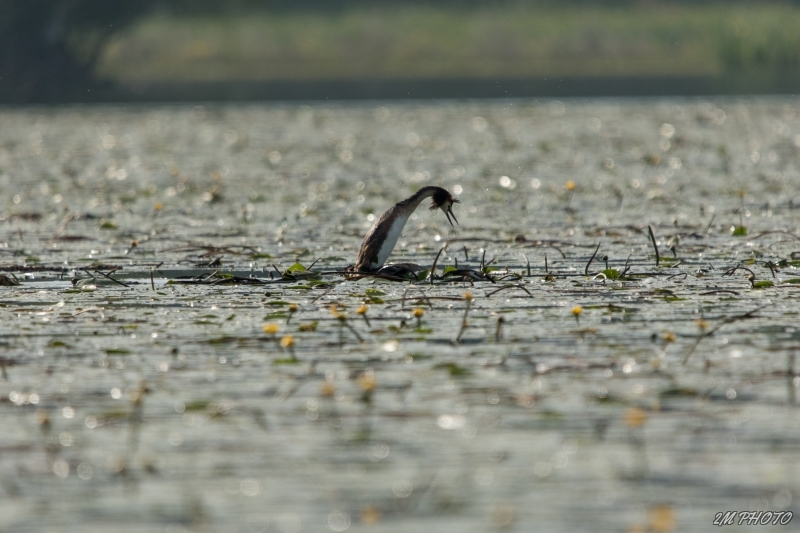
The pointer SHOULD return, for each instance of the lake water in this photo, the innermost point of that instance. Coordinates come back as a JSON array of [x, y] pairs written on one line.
[[183, 402]]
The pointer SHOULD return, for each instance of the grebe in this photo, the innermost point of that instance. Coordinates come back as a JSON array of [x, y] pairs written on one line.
[[381, 239]]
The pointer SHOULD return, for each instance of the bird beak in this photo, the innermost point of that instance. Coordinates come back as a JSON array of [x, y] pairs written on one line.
[[449, 212]]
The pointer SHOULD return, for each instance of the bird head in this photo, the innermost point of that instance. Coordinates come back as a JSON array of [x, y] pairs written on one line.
[[443, 200]]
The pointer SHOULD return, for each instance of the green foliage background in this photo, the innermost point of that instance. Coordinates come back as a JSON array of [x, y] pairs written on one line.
[[54, 49], [440, 39]]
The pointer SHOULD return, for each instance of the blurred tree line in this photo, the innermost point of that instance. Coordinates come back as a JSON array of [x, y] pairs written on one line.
[[37, 59], [49, 48]]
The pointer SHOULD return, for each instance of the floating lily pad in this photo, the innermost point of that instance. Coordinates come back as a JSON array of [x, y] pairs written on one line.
[[297, 267], [374, 292], [453, 369], [197, 405], [739, 231], [222, 340]]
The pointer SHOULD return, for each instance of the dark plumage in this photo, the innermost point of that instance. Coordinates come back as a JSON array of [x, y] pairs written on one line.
[[382, 237]]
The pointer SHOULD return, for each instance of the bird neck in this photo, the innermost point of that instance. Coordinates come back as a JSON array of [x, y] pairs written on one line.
[[413, 201]]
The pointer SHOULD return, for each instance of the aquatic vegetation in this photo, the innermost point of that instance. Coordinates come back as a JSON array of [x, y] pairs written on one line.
[[271, 369]]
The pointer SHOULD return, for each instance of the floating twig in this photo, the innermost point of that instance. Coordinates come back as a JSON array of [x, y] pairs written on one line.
[[425, 296], [89, 273], [213, 250], [323, 294], [782, 232], [719, 291], [448, 298], [625, 270], [498, 332], [354, 276], [729, 320], [436, 260], [64, 223], [708, 227], [655, 246], [586, 270], [469, 275], [751, 278], [510, 286], [468, 298]]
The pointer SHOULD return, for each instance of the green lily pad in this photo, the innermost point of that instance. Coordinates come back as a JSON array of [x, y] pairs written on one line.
[[297, 267], [225, 339], [739, 231], [454, 369], [374, 292], [197, 405]]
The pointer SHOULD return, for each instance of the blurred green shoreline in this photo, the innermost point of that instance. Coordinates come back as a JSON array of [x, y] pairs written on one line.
[[448, 88], [429, 43]]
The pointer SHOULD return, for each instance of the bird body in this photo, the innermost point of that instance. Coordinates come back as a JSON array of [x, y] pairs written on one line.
[[395, 229], [382, 237]]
